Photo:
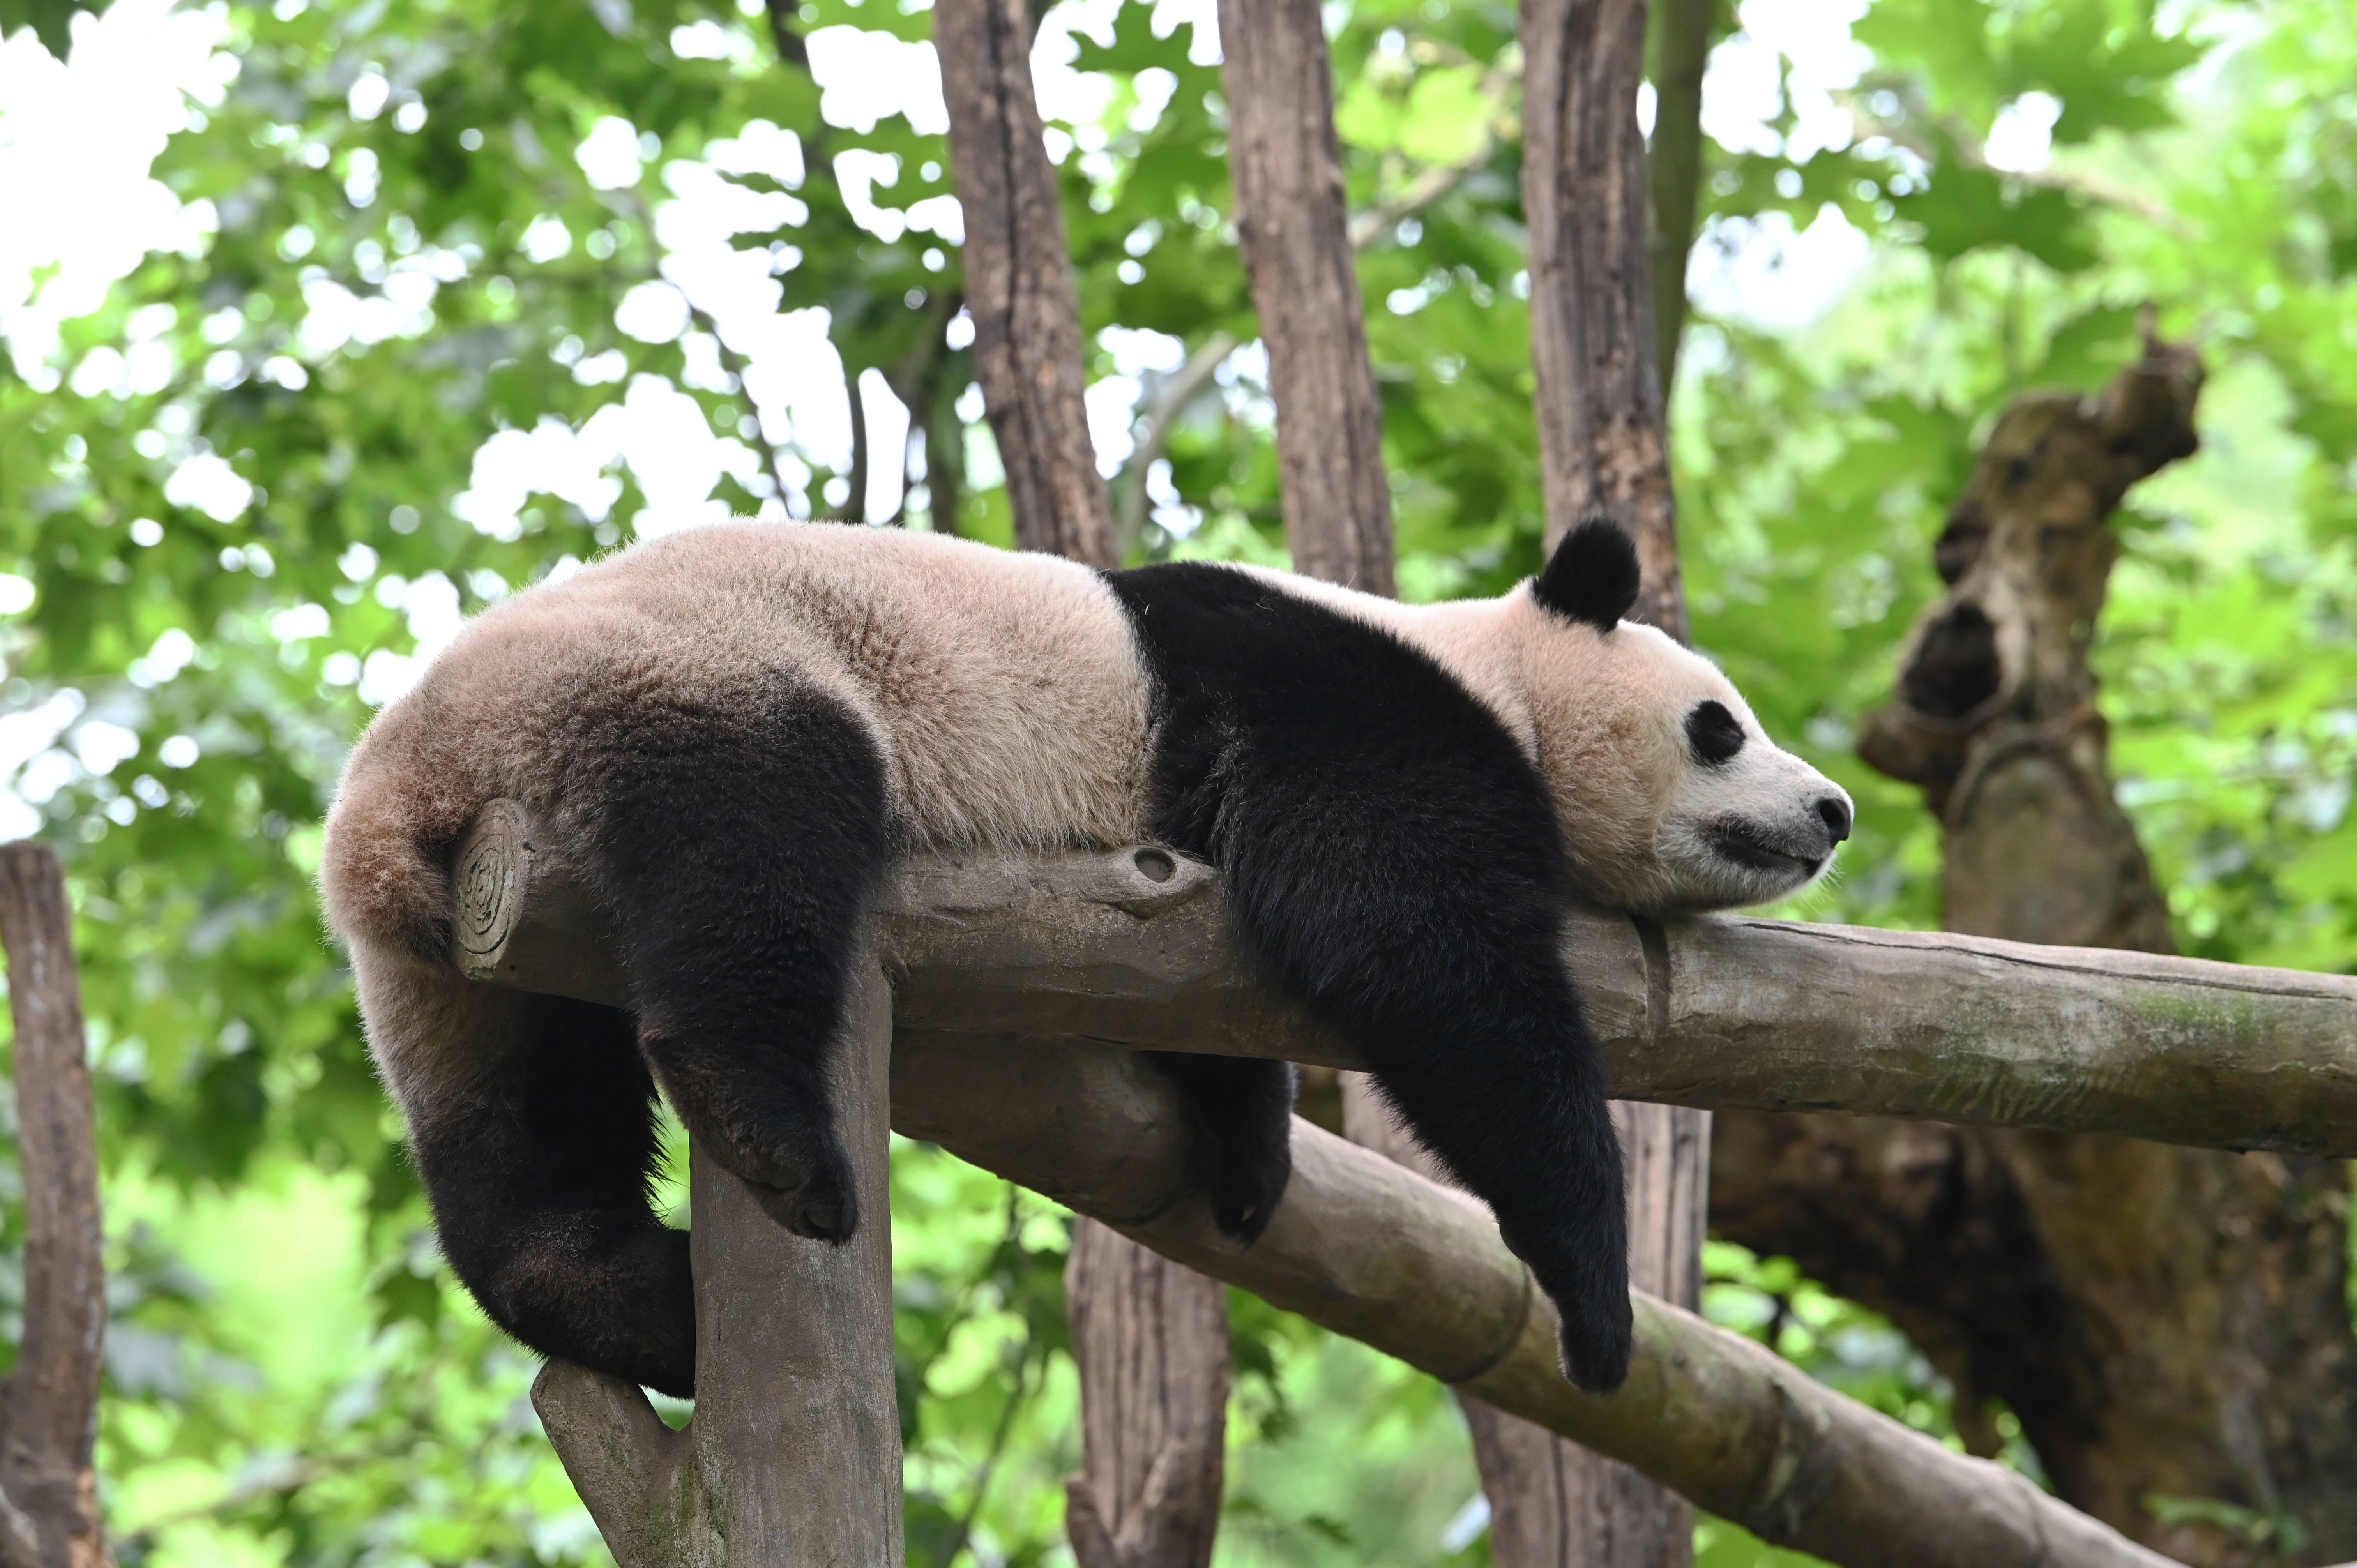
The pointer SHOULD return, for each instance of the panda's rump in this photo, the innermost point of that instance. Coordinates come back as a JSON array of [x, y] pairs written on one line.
[[1004, 692]]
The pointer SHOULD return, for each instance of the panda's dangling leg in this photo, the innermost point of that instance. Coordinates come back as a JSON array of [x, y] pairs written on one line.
[[735, 841], [1241, 1110], [532, 1126]]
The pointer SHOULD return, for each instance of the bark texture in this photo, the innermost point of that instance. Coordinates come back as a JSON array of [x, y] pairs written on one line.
[[1018, 282], [2169, 1325], [794, 1453], [48, 1405], [1592, 326], [1294, 223], [1151, 1338]]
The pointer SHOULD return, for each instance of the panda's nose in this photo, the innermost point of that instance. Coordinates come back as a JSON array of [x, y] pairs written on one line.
[[1835, 813]]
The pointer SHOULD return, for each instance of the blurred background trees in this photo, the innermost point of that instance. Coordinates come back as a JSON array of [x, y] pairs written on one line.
[[427, 301]]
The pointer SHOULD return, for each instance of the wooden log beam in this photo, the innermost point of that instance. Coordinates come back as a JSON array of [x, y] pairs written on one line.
[[1369, 1248], [1135, 948]]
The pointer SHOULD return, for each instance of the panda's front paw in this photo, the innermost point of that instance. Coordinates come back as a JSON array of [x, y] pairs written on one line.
[[1247, 1180], [824, 1206]]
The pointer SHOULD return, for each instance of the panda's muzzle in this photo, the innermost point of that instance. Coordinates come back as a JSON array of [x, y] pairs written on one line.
[[1748, 844]]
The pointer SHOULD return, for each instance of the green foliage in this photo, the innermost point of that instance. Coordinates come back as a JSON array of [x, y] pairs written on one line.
[[407, 260]]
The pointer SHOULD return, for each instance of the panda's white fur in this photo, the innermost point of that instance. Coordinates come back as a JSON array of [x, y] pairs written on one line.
[[1023, 701]]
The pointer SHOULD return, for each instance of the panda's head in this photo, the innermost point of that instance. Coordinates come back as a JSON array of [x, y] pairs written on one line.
[[1671, 797]]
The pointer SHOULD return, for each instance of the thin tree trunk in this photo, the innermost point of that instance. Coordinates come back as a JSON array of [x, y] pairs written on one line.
[[1018, 282], [1149, 1337], [1683, 30], [2169, 1325], [48, 1419], [1592, 326], [1294, 223], [1593, 346]]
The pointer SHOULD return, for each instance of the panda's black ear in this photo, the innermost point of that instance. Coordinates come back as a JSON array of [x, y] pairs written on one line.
[[1592, 576]]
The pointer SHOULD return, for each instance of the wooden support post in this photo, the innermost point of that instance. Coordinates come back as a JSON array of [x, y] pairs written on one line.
[[48, 1405], [1018, 282], [794, 1453], [1294, 224]]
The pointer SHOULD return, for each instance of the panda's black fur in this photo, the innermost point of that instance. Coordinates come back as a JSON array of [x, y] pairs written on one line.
[[1392, 858], [728, 735]]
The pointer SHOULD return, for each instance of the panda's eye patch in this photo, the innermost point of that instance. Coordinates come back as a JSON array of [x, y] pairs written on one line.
[[1714, 734]]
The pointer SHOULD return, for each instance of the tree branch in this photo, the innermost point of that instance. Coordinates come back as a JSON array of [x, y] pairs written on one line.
[[1364, 1247], [1170, 400]]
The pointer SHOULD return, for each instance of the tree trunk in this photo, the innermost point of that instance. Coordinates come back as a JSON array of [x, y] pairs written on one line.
[[48, 1405], [1592, 326], [2170, 1326], [1151, 1337], [1683, 30], [1593, 348], [1018, 282], [794, 1453], [1292, 221]]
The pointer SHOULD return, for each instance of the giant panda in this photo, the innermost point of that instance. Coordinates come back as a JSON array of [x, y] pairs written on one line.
[[732, 731]]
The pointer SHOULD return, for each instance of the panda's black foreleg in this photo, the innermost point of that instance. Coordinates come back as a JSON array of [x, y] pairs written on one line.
[[536, 1164], [1518, 1114], [734, 845], [1241, 1110], [1431, 940]]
